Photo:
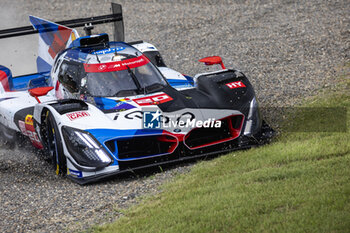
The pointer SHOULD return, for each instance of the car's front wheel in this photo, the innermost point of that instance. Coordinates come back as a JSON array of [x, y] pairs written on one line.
[[53, 144]]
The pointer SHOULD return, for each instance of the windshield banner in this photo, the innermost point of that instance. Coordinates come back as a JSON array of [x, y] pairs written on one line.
[[116, 66]]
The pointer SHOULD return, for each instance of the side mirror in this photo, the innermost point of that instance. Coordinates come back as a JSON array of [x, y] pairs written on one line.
[[213, 60], [39, 91]]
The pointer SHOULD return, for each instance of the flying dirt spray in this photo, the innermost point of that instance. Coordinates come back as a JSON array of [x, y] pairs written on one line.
[[19, 55]]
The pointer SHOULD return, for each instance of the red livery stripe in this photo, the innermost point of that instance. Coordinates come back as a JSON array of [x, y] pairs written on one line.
[[4, 80]]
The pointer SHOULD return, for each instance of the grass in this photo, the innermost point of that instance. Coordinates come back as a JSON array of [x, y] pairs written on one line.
[[299, 183]]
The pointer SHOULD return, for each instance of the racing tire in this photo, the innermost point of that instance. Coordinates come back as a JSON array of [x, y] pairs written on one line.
[[53, 145]]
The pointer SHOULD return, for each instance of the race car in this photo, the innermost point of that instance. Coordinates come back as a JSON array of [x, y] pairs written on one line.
[[98, 107]]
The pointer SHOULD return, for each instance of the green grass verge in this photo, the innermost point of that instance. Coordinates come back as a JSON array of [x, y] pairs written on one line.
[[299, 183]]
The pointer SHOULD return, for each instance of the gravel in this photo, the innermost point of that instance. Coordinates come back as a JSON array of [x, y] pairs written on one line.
[[289, 49], [33, 198]]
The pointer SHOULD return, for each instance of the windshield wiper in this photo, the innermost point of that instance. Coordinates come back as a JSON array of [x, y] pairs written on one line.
[[154, 87], [134, 78], [124, 93]]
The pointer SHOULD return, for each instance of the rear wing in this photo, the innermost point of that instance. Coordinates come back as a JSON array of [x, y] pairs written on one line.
[[116, 17]]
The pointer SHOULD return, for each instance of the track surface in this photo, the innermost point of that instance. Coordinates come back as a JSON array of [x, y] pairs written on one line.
[[289, 50]]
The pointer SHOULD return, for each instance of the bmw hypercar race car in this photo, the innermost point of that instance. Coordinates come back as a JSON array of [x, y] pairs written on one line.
[[98, 107]]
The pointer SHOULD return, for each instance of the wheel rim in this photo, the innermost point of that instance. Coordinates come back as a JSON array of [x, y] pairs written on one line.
[[52, 145]]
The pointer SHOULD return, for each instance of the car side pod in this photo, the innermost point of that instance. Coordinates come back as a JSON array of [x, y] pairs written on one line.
[[213, 60], [39, 91]]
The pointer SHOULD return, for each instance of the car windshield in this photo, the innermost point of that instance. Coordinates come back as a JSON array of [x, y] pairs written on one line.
[[129, 81]]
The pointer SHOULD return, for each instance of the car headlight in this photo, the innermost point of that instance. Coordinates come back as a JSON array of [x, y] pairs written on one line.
[[254, 121], [85, 149]]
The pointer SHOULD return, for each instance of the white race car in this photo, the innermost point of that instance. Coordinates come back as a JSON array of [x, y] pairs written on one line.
[[98, 108]]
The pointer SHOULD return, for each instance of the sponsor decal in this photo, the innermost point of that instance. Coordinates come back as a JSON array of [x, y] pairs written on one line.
[[133, 115], [185, 116], [74, 173], [116, 66], [22, 127], [29, 120], [236, 84], [76, 115], [109, 50], [33, 136], [153, 100], [27, 129], [102, 67], [124, 100], [122, 106]]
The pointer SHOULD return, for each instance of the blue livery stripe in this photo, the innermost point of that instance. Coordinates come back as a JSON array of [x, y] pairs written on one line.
[[189, 79], [179, 82], [21, 83], [42, 66], [44, 27], [108, 104]]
